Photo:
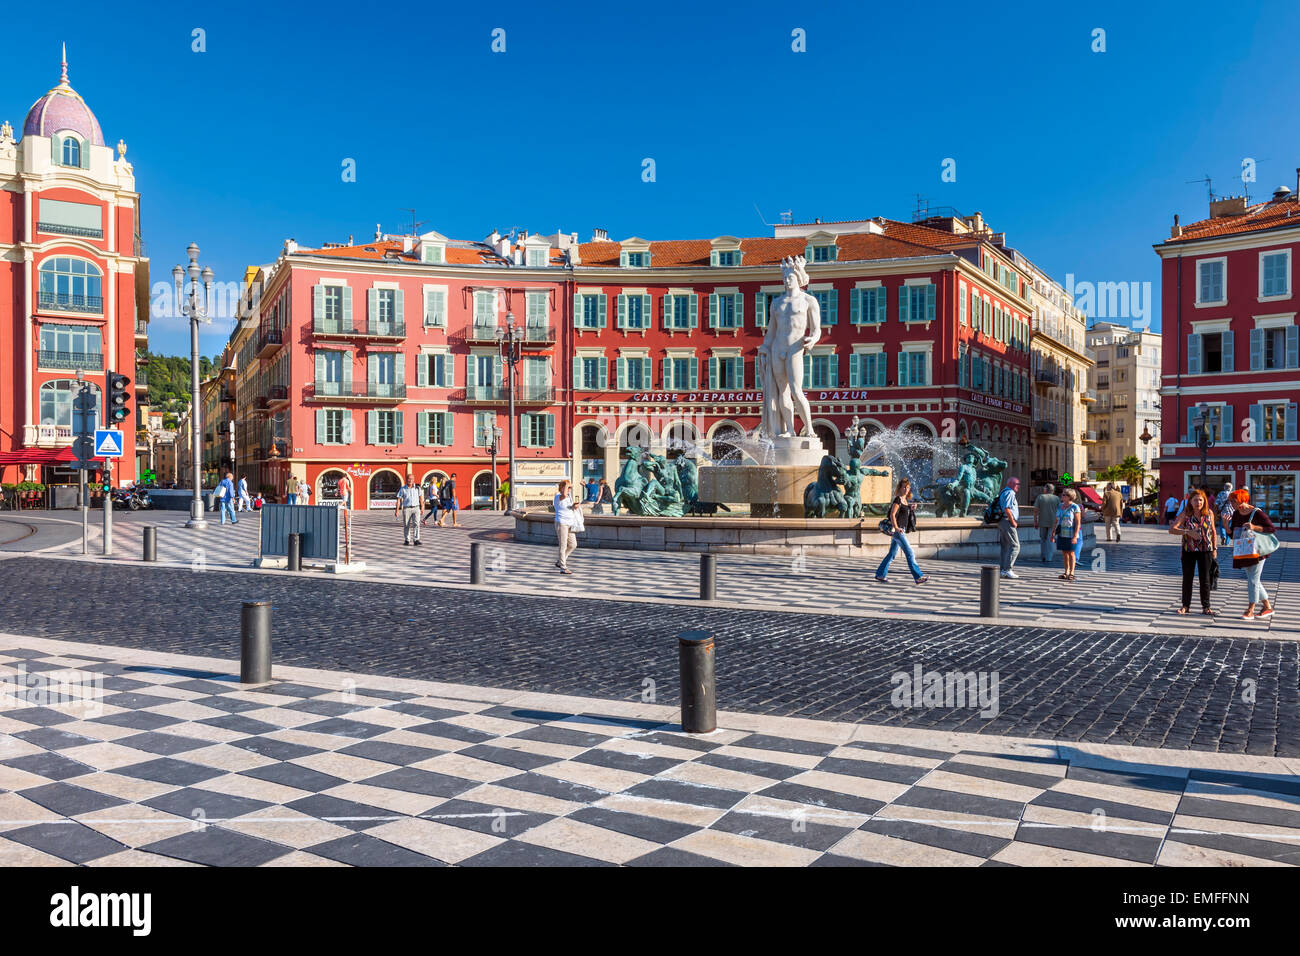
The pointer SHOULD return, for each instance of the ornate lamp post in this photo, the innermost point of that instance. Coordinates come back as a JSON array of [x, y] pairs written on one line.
[[508, 342], [1204, 439], [188, 305], [1145, 438], [491, 437]]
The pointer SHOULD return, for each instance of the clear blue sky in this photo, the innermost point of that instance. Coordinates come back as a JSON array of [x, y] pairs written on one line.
[[1082, 158]]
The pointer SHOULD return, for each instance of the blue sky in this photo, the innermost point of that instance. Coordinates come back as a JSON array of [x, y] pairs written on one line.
[[1082, 158]]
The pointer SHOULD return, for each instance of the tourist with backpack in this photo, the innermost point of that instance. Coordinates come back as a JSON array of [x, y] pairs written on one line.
[[1006, 514], [450, 505], [431, 500]]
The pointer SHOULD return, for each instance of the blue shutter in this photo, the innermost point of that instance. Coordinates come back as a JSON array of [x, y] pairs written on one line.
[[1292, 346], [622, 311], [833, 299], [902, 367], [1256, 349], [1255, 413], [760, 309], [902, 303], [603, 310], [666, 309], [577, 374], [398, 416], [667, 365], [834, 362], [347, 308], [317, 304], [1227, 350], [878, 295], [807, 370], [602, 373], [713, 310], [855, 307], [1290, 421], [695, 311], [550, 430], [929, 302], [713, 372], [695, 373], [372, 427], [855, 370], [1193, 354], [577, 311]]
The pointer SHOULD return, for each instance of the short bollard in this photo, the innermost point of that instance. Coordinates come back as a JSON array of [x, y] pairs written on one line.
[[989, 590], [295, 553], [708, 577], [150, 543], [476, 562], [699, 703], [255, 642]]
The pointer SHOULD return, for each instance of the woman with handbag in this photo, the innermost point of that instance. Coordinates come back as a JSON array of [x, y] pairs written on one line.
[[1068, 529], [1196, 524], [902, 516], [1253, 539]]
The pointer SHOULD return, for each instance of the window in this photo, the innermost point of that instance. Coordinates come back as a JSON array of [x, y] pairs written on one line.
[[590, 311], [1206, 352], [70, 154], [382, 373], [1274, 347], [70, 218], [333, 426], [435, 428], [680, 311], [591, 372], [727, 372], [56, 402], [385, 427], [71, 346], [1275, 496], [867, 369], [1275, 275], [914, 369], [725, 310], [537, 311], [728, 258], [537, 430], [867, 306], [331, 305], [633, 311], [916, 303], [820, 371], [484, 367], [635, 260], [827, 253], [483, 422], [485, 310], [681, 372], [71, 285], [828, 304], [633, 373], [431, 253], [1273, 415], [1210, 289], [538, 258], [434, 370], [329, 372]]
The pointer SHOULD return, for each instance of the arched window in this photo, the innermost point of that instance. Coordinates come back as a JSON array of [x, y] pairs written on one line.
[[329, 486], [71, 153], [725, 450], [383, 488], [483, 489], [827, 436], [56, 402], [71, 285]]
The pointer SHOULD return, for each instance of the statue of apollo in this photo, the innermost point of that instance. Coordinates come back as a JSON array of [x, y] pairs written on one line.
[[793, 327]]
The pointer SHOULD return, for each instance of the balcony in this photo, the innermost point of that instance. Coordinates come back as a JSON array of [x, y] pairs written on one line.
[[539, 336], [1088, 438], [1045, 428], [277, 396], [226, 396], [51, 436], [1048, 377], [84, 232], [223, 428], [67, 302], [141, 380], [1088, 396], [500, 395], [486, 394], [261, 403], [360, 392], [335, 329], [142, 330], [269, 342], [535, 395], [49, 358], [480, 332], [1103, 436]]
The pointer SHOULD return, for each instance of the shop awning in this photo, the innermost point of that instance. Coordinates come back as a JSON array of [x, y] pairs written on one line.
[[38, 456], [1090, 495]]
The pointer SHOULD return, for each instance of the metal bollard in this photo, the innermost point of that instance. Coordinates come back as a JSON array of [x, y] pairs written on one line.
[[476, 562], [708, 577], [989, 590], [295, 552], [699, 700], [150, 543], [255, 642]]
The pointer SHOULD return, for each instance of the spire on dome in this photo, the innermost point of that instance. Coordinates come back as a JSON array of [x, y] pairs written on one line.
[[62, 108]]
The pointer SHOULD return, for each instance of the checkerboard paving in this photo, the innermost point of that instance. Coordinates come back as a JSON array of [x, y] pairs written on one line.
[[142, 758], [1131, 585]]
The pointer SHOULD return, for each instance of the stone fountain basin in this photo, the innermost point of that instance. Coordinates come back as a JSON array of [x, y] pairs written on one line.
[[943, 538]]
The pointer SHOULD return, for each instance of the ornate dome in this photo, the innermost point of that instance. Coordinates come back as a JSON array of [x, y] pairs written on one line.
[[62, 108]]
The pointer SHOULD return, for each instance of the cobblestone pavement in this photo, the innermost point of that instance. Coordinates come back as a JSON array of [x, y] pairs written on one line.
[[121, 758], [1139, 588], [1235, 695]]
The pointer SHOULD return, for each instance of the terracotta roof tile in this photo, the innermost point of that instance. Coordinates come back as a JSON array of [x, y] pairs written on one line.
[[681, 253], [1260, 216]]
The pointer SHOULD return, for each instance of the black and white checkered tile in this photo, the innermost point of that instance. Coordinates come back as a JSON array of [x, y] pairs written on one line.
[[108, 762]]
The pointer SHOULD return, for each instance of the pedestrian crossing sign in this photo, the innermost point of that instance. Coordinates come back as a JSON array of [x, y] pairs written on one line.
[[108, 443]]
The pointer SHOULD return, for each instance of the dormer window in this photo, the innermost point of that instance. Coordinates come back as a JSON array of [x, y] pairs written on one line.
[[67, 149], [725, 251], [824, 253], [537, 258], [635, 260], [729, 258], [431, 254]]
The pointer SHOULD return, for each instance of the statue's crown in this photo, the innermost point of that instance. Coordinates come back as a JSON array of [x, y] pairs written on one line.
[[795, 265]]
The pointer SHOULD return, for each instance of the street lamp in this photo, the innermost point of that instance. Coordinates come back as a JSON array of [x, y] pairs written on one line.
[[509, 342], [490, 435], [1145, 438], [1204, 439], [187, 303]]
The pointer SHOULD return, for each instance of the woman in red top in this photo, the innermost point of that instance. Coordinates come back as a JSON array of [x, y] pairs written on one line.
[[1248, 517], [1196, 525]]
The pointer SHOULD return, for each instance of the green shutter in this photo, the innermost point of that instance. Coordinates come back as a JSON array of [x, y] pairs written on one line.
[[833, 301], [695, 310], [604, 309], [317, 304], [550, 430], [399, 370], [320, 426], [372, 427], [713, 258], [881, 304], [398, 417], [347, 373], [807, 370], [855, 371], [422, 428], [713, 372], [668, 374], [347, 308], [577, 374], [577, 311], [902, 367], [471, 371], [448, 428], [372, 371], [695, 373], [647, 311], [760, 309], [449, 370], [498, 380], [399, 307], [855, 306], [713, 310], [929, 302], [740, 310], [622, 311], [320, 369], [666, 306], [622, 373], [902, 303], [421, 370], [602, 373]]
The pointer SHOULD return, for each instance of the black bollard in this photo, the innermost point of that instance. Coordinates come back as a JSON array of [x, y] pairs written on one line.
[[150, 543], [295, 552], [476, 562], [255, 642], [708, 577], [989, 590], [699, 701]]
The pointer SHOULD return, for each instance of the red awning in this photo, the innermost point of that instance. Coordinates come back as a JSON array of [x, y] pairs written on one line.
[[37, 456], [1090, 495]]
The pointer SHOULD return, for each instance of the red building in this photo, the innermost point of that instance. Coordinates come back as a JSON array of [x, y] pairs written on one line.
[[379, 359], [1231, 353], [73, 282]]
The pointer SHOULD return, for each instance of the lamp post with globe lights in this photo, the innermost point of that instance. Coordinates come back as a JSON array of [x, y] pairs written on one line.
[[508, 341], [187, 303]]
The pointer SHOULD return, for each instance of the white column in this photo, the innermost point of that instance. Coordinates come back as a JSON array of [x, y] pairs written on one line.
[[29, 420]]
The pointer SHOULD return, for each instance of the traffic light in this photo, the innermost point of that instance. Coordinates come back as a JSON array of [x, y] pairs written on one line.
[[118, 396], [84, 408]]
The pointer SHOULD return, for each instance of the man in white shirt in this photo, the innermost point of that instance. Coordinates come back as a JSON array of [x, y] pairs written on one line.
[[1008, 525], [408, 510], [245, 502], [1171, 509]]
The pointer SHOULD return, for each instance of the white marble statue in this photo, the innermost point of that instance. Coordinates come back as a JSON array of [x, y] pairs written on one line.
[[793, 327]]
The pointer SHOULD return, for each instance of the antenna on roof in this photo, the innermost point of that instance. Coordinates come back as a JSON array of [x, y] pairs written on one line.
[[787, 217], [1209, 185], [760, 215], [415, 226]]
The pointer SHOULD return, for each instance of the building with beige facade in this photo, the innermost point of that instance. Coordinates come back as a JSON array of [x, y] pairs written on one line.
[[1126, 379]]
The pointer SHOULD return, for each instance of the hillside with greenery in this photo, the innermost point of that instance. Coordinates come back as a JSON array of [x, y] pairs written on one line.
[[169, 380]]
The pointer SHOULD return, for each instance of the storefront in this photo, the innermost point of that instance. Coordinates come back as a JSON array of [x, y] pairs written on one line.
[[1272, 484]]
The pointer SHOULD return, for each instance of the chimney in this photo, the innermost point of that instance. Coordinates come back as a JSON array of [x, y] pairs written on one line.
[[519, 256], [599, 235], [350, 239], [1177, 230], [1230, 206], [492, 238], [379, 233], [290, 246], [408, 243], [503, 247]]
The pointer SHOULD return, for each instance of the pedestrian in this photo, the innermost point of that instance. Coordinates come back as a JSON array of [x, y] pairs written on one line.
[[1067, 526], [1197, 526], [902, 518], [1171, 507], [565, 519], [431, 500], [591, 492], [304, 490], [1112, 507], [245, 502], [226, 497], [407, 509], [1248, 553], [1223, 510], [1045, 506], [449, 503], [291, 490], [258, 502], [604, 496], [1008, 526], [503, 492], [345, 493]]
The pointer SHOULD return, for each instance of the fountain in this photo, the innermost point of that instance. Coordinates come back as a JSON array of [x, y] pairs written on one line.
[[800, 499]]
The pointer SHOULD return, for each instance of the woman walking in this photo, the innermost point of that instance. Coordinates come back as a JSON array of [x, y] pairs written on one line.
[[1067, 529], [565, 521], [1248, 522], [902, 518], [1200, 541]]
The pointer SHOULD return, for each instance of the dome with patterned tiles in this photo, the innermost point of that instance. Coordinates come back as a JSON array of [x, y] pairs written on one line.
[[62, 108]]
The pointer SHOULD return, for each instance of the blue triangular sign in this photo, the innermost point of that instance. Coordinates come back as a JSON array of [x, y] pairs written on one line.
[[108, 443]]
